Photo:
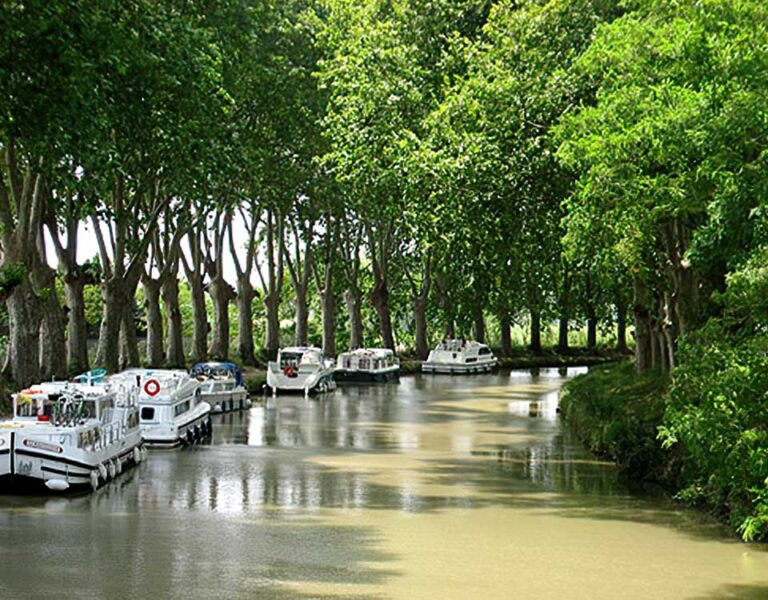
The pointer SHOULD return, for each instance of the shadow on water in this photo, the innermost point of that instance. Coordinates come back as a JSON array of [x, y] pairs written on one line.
[[735, 591]]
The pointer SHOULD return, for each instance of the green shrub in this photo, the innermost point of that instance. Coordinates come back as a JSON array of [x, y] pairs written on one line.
[[717, 417]]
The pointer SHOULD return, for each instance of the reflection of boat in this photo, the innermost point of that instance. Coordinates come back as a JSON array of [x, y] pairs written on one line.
[[367, 365], [172, 411], [221, 385], [69, 435], [460, 356], [300, 369]]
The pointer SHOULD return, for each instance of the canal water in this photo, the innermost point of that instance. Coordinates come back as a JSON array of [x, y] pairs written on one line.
[[437, 487]]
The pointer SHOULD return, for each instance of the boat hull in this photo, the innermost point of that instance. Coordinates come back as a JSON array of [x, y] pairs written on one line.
[[355, 376], [28, 463], [226, 401], [309, 383], [459, 368], [189, 428]]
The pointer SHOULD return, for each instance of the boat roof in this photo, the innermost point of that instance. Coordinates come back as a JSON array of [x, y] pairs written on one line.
[[375, 352], [466, 343], [300, 349], [48, 388]]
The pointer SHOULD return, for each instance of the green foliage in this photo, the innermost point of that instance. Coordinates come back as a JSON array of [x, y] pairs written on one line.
[[11, 275], [718, 402]]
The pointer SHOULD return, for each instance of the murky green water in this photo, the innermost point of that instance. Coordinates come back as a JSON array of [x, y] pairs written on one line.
[[434, 488]]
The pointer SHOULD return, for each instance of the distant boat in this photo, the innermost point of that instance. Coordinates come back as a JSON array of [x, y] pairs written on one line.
[[301, 369], [68, 436], [367, 365], [171, 408], [221, 385], [460, 357]]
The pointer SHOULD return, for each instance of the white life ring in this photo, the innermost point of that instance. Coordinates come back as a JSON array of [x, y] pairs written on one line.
[[152, 387]]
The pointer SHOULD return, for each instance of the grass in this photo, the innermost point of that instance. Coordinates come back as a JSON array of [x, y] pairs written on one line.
[[616, 414]]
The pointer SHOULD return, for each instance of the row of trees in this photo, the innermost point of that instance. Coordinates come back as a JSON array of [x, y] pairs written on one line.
[[444, 161], [342, 147]]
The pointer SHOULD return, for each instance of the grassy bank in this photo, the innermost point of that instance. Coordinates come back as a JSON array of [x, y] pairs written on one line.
[[702, 437], [616, 414]]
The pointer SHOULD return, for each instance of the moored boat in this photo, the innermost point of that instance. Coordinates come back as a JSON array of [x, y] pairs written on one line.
[[171, 409], [300, 369], [460, 357], [367, 365], [221, 385], [66, 436]]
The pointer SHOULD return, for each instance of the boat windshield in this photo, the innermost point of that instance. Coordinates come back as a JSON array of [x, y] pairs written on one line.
[[289, 359]]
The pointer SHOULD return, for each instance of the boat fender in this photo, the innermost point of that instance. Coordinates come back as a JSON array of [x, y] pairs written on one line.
[[136, 455], [118, 465], [57, 485], [103, 472], [94, 479], [111, 469], [143, 453]]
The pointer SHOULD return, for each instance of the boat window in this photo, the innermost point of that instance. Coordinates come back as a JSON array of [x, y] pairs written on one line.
[[484, 351], [181, 408], [289, 360], [147, 413]]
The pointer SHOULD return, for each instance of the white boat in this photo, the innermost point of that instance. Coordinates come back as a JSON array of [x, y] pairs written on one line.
[[367, 365], [300, 369], [171, 409], [221, 385], [69, 435], [460, 357]]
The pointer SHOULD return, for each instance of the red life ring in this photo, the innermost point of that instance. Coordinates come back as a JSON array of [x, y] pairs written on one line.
[[152, 387], [289, 371]]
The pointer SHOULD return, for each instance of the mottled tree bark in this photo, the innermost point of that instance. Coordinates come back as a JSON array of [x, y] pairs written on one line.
[[74, 279], [352, 299], [155, 356], [77, 326], [643, 342], [113, 307], [53, 362], [129, 342], [380, 248], [221, 294], [175, 339], [479, 322], [22, 360], [506, 335], [273, 283], [535, 345], [244, 300]]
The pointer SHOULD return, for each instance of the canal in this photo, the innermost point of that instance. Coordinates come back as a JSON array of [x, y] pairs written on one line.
[[439, 487]]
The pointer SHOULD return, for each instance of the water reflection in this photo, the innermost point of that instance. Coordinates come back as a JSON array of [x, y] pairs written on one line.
[[436, 487]]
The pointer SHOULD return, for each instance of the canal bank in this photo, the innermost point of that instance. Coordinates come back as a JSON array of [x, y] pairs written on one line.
[[666, 434], [437, 487]]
